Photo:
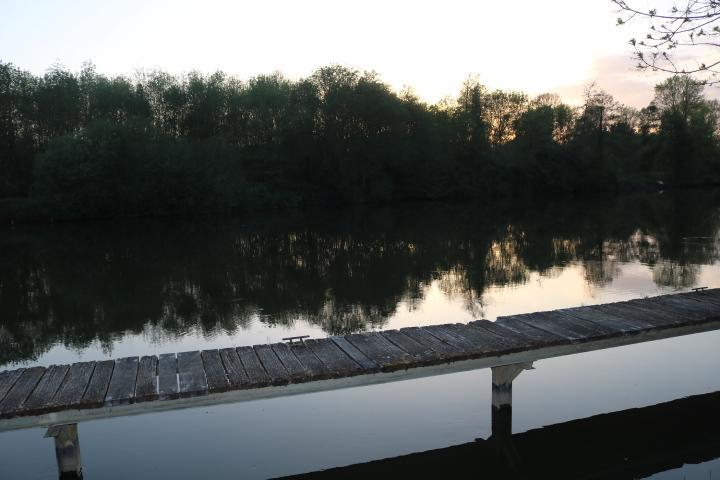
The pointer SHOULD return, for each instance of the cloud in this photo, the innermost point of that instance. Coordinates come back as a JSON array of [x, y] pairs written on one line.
[[617, 75]]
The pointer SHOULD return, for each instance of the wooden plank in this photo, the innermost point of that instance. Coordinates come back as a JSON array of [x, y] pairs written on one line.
[[515, 324], [191, 374], [214, 371], [664, 314], [483, 342], [586, 330], [20, 391], [122, 384], [94, 395], [237, 378], [167, 376], [41, 398], [624, 324], [597, 329], [690, 303], [550, 324], [482, 332], [8, 379], [351, 351], [73, 387], [711, 296], [336, 361], [257, 377], [273, 366], [446, 335], [312, 364], [422, 354], [443, 349], [382, 352], [293, 366], [511, 338], [658, 315], [694, 310], [657, 319], [146, 386]]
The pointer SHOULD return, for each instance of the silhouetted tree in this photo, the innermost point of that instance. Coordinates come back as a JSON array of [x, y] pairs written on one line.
[[87, 144]]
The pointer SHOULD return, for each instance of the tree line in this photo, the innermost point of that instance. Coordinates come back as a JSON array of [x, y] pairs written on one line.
[[86, 144]]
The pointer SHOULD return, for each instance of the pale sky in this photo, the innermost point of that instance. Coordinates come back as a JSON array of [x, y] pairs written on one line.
[[529, 45]]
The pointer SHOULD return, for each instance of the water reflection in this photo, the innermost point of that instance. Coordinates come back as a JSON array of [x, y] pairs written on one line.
[[626, 444], [96, 284]]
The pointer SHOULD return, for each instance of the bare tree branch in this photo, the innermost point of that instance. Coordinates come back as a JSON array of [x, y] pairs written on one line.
[[674, 31]]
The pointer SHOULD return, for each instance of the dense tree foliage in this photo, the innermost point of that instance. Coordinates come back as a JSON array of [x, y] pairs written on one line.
[[90, 145]]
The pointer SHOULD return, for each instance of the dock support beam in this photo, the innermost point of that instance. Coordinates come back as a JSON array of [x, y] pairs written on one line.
[[67, 450], [501, 419], [502, 378]]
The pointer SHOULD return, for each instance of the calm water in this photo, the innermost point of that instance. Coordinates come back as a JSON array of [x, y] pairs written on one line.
[[111, 289]]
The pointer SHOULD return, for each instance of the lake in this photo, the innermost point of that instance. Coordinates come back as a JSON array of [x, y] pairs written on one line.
[[109, 289]]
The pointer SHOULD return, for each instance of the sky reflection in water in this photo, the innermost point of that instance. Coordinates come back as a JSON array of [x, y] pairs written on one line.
[[73, 292], [112, 289]]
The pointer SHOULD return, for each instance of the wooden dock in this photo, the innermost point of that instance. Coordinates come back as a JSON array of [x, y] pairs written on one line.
[[40, 396]]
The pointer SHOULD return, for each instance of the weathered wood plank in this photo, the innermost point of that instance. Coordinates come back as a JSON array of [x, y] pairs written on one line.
[[594, 329], [351, 351], [41, 398], [214, 371], [337, 362], [442, 332], [552, 324], [422, 354], [167, 376], [623, 324], [257, 377], [692, 303], [588, 330], [293, 366], [708, 296], [484, 332], [122, 384], [657, 319], [713, 300], [382, 352], [94, 395], [20, 391], [237, 378], [272, 364], [694, 310], [146, 386], [515, 324], [483, 343], [191, 374], [73, 387], [512, 339], [445, 350], [7, 380], [312, 364]]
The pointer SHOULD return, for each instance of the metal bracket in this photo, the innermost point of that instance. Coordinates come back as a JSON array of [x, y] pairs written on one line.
[[300, 338]]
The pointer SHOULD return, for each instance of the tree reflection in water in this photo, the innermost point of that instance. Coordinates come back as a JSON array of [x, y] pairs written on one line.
[[344, 271]]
